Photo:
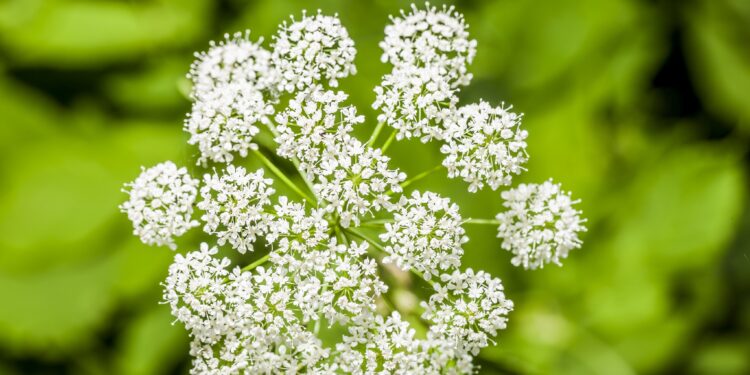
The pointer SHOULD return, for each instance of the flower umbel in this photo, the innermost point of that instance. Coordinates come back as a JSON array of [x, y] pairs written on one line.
[[316, 296], [540, 226]]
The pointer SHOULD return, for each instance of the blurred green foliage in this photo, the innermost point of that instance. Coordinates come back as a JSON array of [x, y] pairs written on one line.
[[641, 108]]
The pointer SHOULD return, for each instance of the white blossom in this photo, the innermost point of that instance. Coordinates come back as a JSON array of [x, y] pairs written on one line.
[[232, 94], [319, 276], [354, 180], [312, 122], [236, 60], [161, 204], [234, 206], [433, 38], [225, 121], [484, 145], [416, 101], [425, 235], [240, 322], [540, 225], [467, 308], [314, 50]]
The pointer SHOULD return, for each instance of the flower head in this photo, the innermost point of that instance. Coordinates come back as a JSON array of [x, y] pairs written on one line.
[[540, 226], [415, 101], [432, 38], [236, 60], [468, 308], [426, 235], [484, 145], [234, 206], [317, 269], [225, 121], [161, 204], [314, 50]]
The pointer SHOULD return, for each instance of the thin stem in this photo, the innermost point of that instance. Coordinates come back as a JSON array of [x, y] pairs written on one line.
[[375, 133], [257, 263], [482, 221], [380, 248], [281, 175], [388, 141], [376, 221], [420, 176], [295, 161]]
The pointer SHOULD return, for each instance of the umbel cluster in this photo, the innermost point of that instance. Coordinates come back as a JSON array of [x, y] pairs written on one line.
[[316, 302]]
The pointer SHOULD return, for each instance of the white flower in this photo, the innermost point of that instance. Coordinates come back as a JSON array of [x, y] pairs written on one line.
[[234, 205], [311, 122], [267, 318], [240, 322], [540, 226], [426, 235], [378, 345], [433, 38], [313, 50], [354, 180], [234, 60], [467, 308], [225, 120], [484, 145], [161, 204], [416, 101]]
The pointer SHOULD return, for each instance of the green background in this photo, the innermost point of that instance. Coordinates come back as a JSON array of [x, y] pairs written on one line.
[[641, 108]]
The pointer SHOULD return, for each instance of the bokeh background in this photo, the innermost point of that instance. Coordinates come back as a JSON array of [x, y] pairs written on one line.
[[641, 108]]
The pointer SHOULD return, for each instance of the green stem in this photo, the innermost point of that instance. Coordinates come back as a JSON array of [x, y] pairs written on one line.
[[388, 141], [295, 161], [376, 222], [281, 175], [420, 176], [257, 263], [380, 248], [482, 221], [375, 134]]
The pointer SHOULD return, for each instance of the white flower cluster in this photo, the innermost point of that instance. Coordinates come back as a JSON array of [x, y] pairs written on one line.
[[430, 52], [313, 50], [161, 204], [234, 206], [229, 82], [540, 226], [240, 321], [351, 178], [484, 144], [314, 301], [426, 235], [469, 308]]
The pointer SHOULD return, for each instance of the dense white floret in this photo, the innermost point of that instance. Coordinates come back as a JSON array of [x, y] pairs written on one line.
[[313, 122], [433, 38], [425, 235], [236, 60], [467, 308], [416, 101], [540, 226], [161, 204], [240, 322], [234, 205], [354, 180], [315, 302], [484, 145], [314, 50], [225, 121]]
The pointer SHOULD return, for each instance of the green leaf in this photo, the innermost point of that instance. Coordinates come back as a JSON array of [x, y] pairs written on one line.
[[716, 42], [87, 33], [152, 344]]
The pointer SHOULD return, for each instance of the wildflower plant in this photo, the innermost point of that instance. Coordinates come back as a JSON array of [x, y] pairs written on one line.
[[318, 300]]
